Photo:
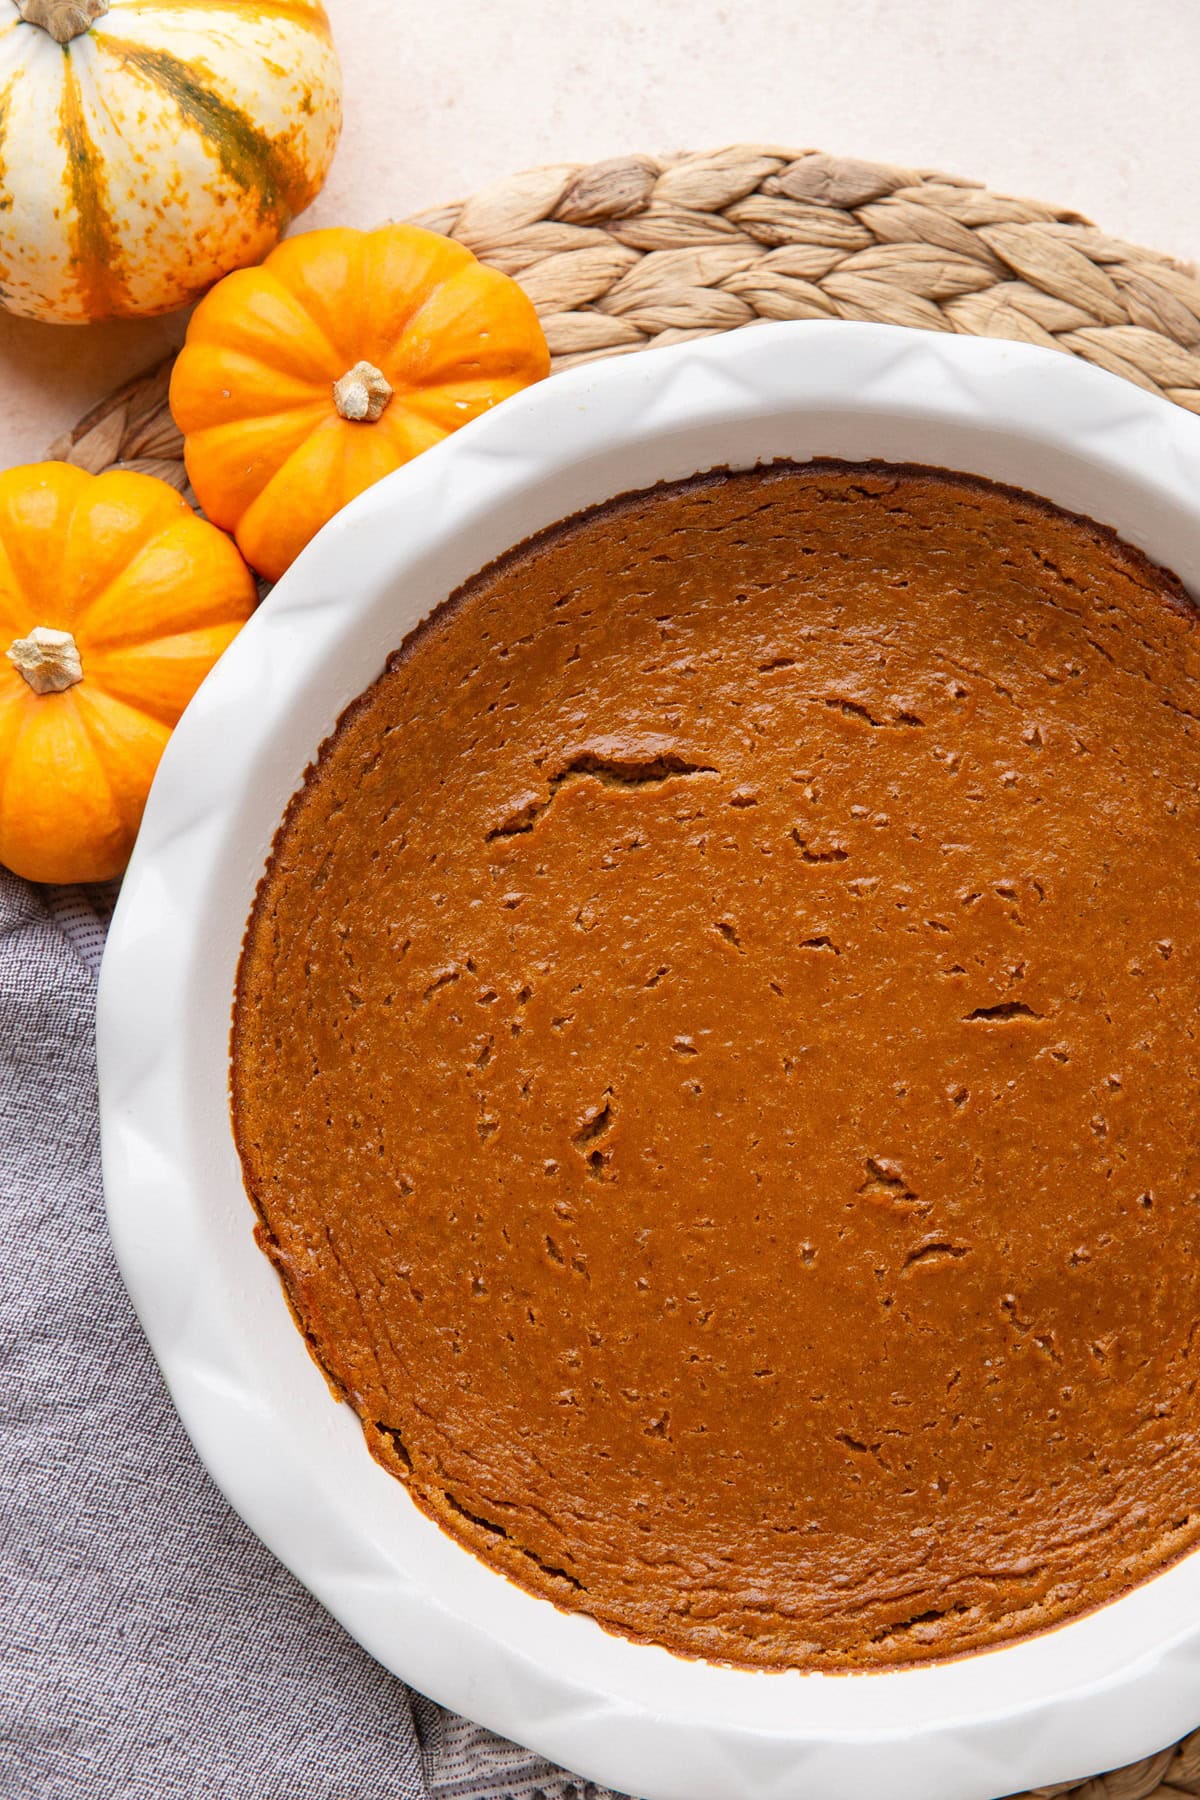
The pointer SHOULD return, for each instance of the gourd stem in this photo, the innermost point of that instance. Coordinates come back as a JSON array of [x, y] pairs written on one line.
[[63, 19], [362, 393], [48, 660]]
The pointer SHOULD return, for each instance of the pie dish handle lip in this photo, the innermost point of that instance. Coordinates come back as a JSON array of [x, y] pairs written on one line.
[[655, 1730]]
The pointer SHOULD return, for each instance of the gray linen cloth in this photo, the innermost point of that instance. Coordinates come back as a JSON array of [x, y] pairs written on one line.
[[150, 1647]]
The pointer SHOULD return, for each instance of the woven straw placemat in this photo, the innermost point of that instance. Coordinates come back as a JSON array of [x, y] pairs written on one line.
[[639, 251]]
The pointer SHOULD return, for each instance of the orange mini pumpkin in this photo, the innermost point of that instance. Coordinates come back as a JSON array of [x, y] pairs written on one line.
[[115, 601], [347, 353]]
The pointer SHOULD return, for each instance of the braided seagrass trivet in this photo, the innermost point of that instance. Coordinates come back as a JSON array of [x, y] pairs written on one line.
[[640, 251]]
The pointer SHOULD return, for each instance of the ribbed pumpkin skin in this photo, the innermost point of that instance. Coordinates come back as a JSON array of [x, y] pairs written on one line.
[[152, 595], [175, 140], [253, 390]]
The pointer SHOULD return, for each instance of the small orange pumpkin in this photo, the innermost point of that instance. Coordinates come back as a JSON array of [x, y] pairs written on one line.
[[347, 353], [115, 601]]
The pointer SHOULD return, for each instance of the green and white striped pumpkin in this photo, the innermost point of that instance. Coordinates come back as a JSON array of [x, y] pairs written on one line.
[[147, 147]]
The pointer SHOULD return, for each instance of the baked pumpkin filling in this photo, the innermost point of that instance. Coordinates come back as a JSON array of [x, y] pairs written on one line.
[[715, 1061]]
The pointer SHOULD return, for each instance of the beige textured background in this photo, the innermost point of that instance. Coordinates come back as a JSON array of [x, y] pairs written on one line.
[[1088, 103]]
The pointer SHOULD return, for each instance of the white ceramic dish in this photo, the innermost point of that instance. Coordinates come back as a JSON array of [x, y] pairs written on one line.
[[1093, 1694]]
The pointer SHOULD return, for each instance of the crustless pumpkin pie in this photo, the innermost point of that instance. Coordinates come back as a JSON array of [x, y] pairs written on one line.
[[715, 1061]]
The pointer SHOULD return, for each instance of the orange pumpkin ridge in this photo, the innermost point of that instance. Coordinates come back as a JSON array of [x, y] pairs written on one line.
[[303, 382], [115, 601], [297, 12], [92, 240]]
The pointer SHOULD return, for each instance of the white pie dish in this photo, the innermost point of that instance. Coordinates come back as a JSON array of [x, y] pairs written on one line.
[[1097, 1692]]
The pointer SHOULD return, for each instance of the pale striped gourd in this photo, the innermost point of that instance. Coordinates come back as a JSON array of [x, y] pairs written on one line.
[[147, 147]]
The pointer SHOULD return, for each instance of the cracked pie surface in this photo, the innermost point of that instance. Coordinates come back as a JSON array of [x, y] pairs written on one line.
[[715, 1061]]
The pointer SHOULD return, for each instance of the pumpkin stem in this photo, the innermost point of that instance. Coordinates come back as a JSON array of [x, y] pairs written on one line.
[[49, 660], [362, 393], [63, 19]]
